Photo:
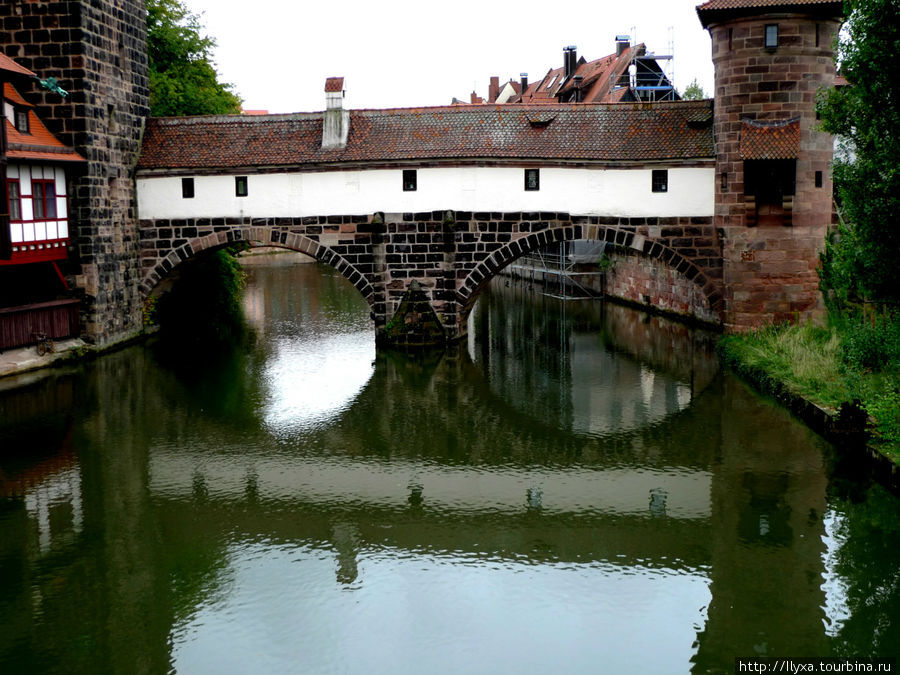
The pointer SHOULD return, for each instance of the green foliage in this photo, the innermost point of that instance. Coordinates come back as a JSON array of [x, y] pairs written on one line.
[[203, 309], [183, 79], [862, 262], [846, 361], [871, 346], [693, 92]]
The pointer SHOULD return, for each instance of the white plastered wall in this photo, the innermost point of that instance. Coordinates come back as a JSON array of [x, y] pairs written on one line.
[[582, 191]]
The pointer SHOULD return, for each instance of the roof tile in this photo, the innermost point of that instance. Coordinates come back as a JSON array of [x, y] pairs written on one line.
[[587, 132], [770, 140]]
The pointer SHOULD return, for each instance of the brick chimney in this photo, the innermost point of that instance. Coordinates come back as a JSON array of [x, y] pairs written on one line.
[[494, 89]]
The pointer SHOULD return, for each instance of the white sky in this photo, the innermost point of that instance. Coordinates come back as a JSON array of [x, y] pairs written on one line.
[[405, 53]]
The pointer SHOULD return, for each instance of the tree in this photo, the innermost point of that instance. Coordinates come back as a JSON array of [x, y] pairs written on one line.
[[865, 116], [693, 92], [183, 80]]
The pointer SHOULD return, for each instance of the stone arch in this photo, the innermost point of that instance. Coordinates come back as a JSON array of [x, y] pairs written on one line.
[[618, 238], [289, 240]]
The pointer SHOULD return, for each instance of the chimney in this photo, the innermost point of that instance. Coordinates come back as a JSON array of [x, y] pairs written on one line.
[[524, 82], [623, 42], [569, 59], [335, 120], [494, 89]]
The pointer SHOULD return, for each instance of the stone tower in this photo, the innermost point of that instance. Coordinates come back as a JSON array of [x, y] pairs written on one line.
[[97, 51], [773, 167]]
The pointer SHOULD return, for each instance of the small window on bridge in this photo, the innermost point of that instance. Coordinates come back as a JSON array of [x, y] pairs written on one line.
[[660, 180], [771, 36], [532, 179], [409, 180], [240, 186], [187, 188]]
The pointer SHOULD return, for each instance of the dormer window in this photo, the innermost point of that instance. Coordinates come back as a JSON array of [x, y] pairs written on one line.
[[771, 35], [22, 120]]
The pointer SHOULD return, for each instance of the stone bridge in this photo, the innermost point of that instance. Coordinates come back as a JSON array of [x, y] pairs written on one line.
[[451, 255]]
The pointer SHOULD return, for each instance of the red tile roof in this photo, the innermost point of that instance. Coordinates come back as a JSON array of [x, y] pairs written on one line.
[[333, 84], [39, 143], [10, 66], [585, 132], [770, 140], [713, 9]]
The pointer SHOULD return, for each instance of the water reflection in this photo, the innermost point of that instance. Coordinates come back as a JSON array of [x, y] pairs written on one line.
[[477, 514]]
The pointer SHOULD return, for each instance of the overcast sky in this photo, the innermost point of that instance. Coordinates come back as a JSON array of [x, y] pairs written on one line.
[[404, 53]]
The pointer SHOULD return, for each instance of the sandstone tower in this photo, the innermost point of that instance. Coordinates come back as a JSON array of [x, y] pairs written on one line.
[[97, 51], [773, 183]]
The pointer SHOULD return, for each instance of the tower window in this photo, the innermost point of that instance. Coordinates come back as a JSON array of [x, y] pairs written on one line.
[[532, 179], [660, 180], [410, 180], [187, 188], [240, 186], [818, 179], [769, 180], [771, 35]]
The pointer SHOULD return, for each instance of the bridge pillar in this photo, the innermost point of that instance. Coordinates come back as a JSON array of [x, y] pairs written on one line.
[[414, 259]]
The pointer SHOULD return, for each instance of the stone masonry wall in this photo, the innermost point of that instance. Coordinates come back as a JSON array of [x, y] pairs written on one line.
[[451, 255], [97, 52], [770, 270]]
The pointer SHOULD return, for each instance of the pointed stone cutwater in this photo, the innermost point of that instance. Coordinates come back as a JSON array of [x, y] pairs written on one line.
[[415, 325]]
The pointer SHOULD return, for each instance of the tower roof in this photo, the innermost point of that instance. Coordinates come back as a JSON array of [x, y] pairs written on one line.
[[714, 10]]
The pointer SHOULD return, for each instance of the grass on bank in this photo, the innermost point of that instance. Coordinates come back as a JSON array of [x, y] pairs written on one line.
[[845, 361]]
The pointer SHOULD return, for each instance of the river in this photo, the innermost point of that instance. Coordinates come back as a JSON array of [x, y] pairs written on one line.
[[577, 488]]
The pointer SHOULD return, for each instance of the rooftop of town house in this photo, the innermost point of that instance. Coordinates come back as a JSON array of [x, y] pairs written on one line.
[[38, 143], [598, 78], [7, 65], [566, 132]]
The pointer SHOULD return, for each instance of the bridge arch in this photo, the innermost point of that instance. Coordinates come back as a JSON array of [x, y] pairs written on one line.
[[617, 238], [259, 236]]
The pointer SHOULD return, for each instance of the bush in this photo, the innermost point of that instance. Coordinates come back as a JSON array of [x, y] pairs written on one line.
[[871, 346]]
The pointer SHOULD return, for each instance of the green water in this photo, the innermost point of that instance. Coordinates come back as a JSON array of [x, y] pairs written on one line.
[[576, 489]]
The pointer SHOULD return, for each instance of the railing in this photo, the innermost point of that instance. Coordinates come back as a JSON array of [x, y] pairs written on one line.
[[57, 319]]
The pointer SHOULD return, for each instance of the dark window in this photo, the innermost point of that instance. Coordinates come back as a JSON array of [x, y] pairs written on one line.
[[187, 188], [724, 181], [660, 180], [730, 39], [818, 179], [771, 35], [818, 32], [769, 180], [22, 121], [43, 199], [409, 180], [532, 179], [15, 200], [240, 186]]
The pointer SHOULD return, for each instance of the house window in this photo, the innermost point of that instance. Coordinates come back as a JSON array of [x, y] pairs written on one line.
[[771, 35], [660, 180], [240, 186], [532, 179], [409, 180], [43, 195], [818, 179], [187, 188], [15, 200], [22, 121]]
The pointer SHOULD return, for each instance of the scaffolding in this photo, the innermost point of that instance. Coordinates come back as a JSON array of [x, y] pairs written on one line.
[[651, 76], [558, 270]]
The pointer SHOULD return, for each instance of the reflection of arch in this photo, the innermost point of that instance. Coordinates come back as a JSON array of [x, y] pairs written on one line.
[[265, 237], [617, 238]]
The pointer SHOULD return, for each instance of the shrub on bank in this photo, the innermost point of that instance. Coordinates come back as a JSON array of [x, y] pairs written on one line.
[[851, 359]]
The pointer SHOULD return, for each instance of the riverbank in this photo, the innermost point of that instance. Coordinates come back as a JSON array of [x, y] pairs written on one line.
[[805, 368]]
